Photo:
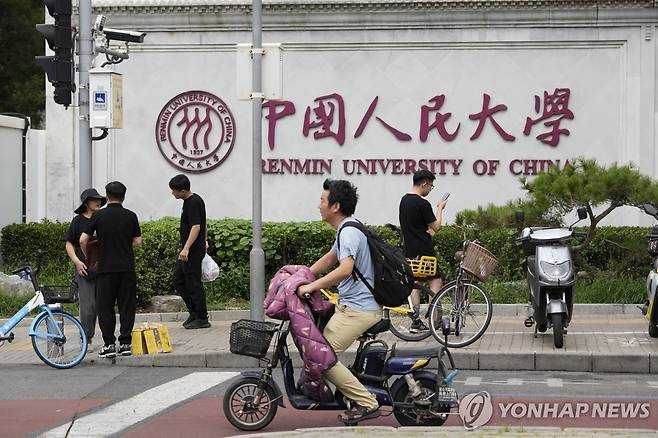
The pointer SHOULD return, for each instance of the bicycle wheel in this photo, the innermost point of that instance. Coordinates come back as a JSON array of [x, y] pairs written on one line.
[[468, 307], [402, 319], [59, 351]]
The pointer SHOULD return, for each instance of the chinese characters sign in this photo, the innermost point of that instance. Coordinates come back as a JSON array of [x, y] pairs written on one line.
[[325, 118]]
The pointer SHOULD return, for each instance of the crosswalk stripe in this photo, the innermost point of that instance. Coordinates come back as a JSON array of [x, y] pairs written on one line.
[[126, 413], [473, 381], [554, 383]]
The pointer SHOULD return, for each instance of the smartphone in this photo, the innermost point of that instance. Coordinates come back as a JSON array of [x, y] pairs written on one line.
[[445, 196]]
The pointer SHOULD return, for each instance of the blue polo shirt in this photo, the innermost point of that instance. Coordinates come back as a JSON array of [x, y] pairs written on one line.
[[353, 293]]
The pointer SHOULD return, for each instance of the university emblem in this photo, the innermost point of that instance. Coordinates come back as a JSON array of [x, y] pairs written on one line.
[[195, 131]]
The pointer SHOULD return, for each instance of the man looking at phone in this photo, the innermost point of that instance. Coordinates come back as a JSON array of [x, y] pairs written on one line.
[[418, 224]]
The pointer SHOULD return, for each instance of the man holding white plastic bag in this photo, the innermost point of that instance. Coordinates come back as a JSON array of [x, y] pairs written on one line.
[[193, 239]]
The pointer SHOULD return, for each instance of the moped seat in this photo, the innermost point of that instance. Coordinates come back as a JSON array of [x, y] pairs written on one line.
[[382, 326]]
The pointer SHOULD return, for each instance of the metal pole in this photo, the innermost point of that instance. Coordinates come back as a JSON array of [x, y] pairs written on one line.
[[84, 62], [256, 255]]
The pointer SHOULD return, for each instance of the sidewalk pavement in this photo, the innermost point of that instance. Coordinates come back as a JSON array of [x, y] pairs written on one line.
[[601, 338]]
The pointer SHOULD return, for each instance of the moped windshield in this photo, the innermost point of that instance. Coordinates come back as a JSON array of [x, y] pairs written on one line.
[[551, 234]]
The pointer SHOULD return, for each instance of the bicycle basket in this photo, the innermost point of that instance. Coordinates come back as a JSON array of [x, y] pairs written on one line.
[[58, 294], [252, 338], [478, 261], [423, 267]]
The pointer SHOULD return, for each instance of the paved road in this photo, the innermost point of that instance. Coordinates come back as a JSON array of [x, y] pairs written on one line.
[[185, 402]]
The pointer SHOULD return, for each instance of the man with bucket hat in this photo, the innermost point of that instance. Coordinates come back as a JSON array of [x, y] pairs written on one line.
[[90, 202]]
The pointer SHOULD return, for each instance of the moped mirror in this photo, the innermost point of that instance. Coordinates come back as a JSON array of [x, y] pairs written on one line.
[[519, 216], [582, 213], [650, 209]]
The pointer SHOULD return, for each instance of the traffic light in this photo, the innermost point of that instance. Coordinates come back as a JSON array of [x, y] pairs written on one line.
[[59, 68]]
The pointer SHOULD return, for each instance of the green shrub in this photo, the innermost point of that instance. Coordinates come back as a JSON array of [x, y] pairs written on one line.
[[618, 251]]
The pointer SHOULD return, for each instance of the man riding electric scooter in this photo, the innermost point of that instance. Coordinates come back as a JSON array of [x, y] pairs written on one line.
[[357, 309]]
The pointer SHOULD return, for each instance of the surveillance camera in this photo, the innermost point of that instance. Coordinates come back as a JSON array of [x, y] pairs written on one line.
[[124, 35], [100, 23]]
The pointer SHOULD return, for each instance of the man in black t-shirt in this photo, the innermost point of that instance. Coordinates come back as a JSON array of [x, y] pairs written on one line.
[[117, 231], [193, 240], [418, 224]]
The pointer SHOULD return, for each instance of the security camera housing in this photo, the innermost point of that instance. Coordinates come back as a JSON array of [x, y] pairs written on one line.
[[124, 35]]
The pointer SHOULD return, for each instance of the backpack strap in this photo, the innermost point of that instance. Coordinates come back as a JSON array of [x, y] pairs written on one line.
[[359, 226]]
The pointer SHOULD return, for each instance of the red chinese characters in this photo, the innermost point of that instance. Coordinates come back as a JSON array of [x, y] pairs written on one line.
[[329, 109], [555, 108], [326, 119]]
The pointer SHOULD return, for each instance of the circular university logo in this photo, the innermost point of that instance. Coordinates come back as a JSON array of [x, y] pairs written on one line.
[[195, 131], [476, 409]]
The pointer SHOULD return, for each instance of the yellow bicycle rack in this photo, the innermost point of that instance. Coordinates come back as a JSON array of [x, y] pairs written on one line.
[[333, 299], [423, 267]]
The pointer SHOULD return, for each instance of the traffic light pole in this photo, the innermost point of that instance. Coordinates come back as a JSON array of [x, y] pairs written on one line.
[[84, 62]]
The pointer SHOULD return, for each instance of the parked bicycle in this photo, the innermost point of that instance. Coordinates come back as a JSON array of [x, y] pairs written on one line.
[[405, 318], [466, 303], [58, 338]]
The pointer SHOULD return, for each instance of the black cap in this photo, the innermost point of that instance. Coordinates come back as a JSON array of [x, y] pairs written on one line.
[[89, 193]]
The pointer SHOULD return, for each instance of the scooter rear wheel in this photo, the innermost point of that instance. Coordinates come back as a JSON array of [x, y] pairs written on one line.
[[418, 417], [239, 409]]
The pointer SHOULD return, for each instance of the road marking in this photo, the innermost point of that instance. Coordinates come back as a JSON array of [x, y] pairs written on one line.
[[529, 332], [514, 382], [554, 383], [126, 413], [652, 384], [473, 381]]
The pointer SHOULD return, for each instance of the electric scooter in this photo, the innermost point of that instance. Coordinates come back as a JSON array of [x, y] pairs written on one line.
[[650, 309], [551, 276], [418, 397]]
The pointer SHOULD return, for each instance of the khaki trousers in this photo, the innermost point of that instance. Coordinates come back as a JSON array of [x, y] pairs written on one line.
[[341, 331]]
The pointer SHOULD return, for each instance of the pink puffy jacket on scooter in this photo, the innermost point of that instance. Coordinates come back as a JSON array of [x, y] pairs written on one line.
[[282, 302]]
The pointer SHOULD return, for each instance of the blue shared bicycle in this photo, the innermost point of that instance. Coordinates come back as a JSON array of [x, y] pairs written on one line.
[[57, 336]]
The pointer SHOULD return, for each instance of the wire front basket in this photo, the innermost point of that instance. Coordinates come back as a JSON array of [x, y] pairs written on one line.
[[478, 261], [252, 338], [59, 294]]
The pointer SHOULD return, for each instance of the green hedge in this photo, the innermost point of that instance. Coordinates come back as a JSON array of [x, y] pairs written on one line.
[[620, 250]]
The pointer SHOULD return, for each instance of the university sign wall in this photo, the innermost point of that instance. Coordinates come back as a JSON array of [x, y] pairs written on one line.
[[195, 131]]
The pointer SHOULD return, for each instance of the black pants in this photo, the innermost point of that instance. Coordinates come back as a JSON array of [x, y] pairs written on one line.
[[187, 282], [118, 288]]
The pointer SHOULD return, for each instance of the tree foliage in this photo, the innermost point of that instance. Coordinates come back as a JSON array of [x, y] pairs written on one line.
[[22, 82], [558, 191]]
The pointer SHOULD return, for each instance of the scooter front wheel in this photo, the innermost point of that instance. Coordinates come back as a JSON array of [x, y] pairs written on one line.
[[558, 329], [653, 330], [248, 408]]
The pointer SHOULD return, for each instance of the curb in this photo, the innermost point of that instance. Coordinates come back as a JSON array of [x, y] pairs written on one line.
[[451, 431], [464, 360], [498, 309]]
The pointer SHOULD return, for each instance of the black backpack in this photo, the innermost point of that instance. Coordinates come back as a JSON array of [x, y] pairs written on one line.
[[393, 277]]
